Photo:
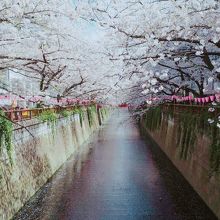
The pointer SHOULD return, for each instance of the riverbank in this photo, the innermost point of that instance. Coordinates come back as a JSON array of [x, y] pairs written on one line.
[[39, 150]]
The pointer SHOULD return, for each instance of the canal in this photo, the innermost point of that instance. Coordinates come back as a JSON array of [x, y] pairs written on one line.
[[123, 177]]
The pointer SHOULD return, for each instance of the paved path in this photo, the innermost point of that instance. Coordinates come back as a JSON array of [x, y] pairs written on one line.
[[124, 177]]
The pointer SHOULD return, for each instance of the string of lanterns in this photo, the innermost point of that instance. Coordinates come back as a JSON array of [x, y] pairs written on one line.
[[185, 99], [36, 99], [198, 100]]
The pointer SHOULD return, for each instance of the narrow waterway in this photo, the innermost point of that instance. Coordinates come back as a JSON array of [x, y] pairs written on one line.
[[123, 177]]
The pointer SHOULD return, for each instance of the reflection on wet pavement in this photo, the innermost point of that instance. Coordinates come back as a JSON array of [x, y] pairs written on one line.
[[123, 177]]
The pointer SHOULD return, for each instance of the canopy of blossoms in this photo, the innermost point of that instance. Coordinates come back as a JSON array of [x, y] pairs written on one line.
[[147, 49]]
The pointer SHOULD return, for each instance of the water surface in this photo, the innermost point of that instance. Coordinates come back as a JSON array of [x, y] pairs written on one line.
[[123, 177]]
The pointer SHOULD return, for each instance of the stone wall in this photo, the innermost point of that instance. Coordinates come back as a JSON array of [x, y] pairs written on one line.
[[39, 151], [190, 149]]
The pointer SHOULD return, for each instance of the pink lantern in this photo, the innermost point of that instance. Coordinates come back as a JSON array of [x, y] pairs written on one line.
[[199, 100], [207, 99], [203, 100], [195, 100], [212, 98], [217, 97]]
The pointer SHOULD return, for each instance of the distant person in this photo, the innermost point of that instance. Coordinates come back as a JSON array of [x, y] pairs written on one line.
[[58, 98], [40, 104], [14, 104]]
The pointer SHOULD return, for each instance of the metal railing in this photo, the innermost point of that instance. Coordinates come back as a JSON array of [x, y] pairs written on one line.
[[27, 114], [194, 109]]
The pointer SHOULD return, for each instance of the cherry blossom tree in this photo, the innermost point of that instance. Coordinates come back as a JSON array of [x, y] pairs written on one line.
[[43, 40], [172, 46], [149, 46]]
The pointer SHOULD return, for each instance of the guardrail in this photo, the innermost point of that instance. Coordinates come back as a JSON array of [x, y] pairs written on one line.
[[179, 108], [27, 114]]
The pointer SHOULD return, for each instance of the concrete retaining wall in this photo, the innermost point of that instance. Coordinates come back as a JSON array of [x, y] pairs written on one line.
[[37, 158], [195, 164]]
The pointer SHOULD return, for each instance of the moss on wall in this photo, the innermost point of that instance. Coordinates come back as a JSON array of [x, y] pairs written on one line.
[[37, 159], [192, 144], [153, 118], [189, 126]]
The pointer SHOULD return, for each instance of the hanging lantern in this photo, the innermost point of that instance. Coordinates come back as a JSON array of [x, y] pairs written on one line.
[[207, 99], [212, 98], [190, 98]]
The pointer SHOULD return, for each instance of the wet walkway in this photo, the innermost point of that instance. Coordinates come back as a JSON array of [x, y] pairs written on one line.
[[124, 177]]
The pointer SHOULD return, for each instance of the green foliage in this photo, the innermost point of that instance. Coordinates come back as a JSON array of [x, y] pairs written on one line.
[[6, 128], [215, 150], [48, 116], [187, 134], [190, 125], [90, 112], [153, 118], [104, 112], [79, 111], [65, 113], [101, 113]]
